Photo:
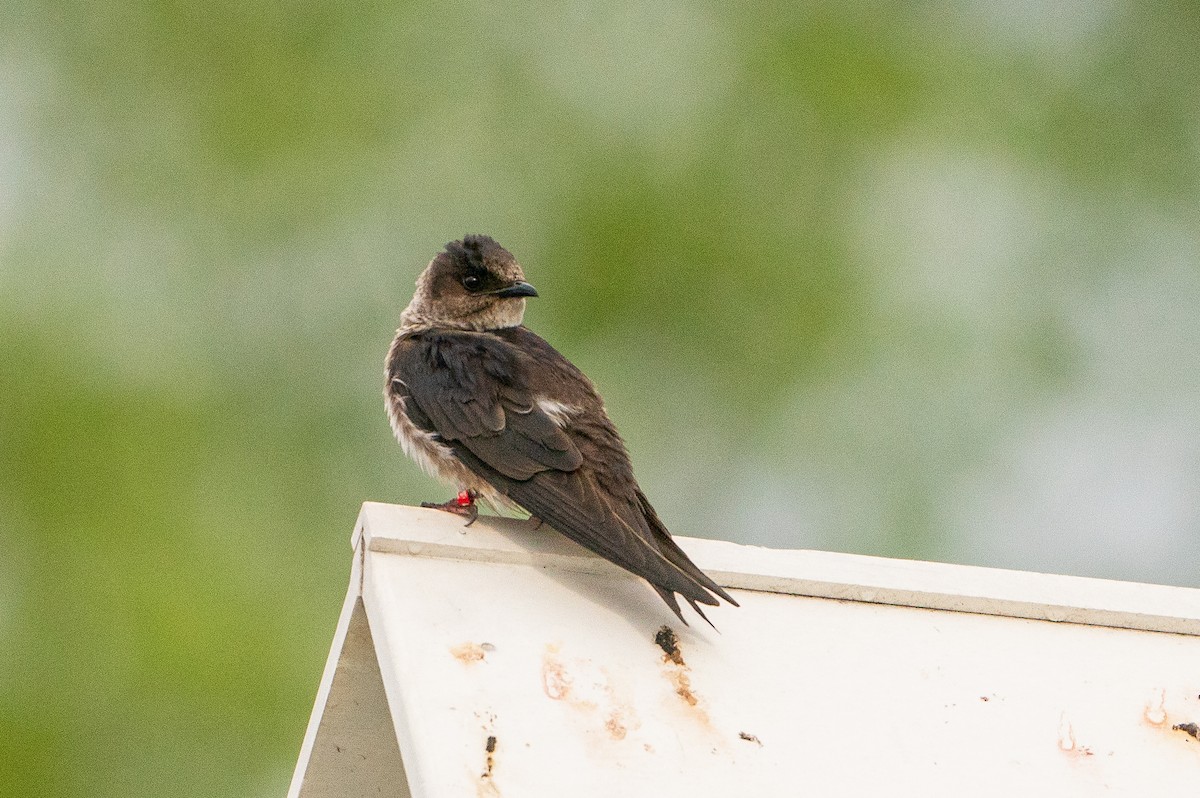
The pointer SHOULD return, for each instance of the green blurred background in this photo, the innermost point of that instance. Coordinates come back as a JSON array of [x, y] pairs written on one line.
[[903, 279]]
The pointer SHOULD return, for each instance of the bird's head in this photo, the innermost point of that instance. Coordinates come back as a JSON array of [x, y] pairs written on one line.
[[473, 284]]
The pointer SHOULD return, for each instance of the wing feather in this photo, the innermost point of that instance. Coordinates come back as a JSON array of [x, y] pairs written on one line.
[[478, 403], [474, 391]]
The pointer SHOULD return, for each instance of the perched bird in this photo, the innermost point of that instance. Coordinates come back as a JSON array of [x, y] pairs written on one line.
[[481, 402]]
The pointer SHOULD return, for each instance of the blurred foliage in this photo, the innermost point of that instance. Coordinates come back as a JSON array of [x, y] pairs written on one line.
[[903, 279]]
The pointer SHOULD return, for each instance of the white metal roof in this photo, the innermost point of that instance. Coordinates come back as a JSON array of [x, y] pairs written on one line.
[[499, 660]]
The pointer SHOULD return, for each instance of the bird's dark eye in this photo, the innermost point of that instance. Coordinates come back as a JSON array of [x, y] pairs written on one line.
[[472, 282]]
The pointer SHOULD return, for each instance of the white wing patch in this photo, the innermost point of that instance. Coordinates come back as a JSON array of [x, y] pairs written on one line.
[[559, 413]]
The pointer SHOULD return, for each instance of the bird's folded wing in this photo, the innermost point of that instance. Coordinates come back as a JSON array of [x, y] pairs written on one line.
[[471, 393], [468, 390], [609, 525]]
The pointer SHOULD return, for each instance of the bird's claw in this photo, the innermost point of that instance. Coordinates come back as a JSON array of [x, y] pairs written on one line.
[[463, 504]]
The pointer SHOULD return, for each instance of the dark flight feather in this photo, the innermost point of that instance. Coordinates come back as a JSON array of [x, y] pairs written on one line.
[[479, 392]]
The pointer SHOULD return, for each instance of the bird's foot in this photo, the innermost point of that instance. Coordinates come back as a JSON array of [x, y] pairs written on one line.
[[463, 504], [537, 522]]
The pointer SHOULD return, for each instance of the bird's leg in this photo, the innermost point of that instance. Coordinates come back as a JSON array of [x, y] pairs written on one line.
[[537, 522], [463, 504]]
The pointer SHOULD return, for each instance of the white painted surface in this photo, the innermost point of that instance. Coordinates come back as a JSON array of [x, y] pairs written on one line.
[[499, 631], [350, 747]]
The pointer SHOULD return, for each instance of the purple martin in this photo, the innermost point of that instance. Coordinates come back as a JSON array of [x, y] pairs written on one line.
[[481, 402]]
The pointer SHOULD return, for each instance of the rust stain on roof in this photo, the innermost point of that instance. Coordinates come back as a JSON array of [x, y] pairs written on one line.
[[683, 687], [678, 673], [556, 682], [589, 690], [468, 653], [616, 729]]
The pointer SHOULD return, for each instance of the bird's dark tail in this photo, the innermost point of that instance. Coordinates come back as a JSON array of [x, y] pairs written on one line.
[[673, 603], [678, 558]]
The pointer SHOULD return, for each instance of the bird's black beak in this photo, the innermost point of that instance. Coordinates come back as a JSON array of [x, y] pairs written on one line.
[[517, 289]]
